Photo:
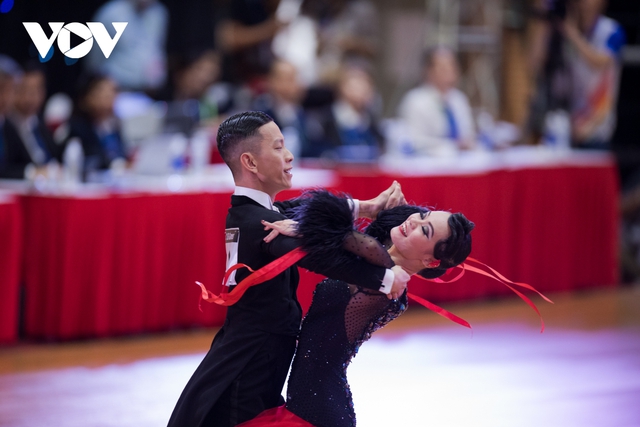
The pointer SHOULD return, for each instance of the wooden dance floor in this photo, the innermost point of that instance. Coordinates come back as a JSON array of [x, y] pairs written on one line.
[[583, 371]]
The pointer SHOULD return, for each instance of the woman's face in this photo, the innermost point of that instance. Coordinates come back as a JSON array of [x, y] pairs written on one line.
[[416, 238], [100, 99]]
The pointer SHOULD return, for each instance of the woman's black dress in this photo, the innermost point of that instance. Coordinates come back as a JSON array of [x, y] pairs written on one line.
[[340, 319]]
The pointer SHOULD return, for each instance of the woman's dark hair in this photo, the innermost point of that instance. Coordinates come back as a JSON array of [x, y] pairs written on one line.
[[450, 251], [236, 129]]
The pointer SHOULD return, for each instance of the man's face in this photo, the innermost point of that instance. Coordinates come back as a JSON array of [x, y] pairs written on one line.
[[443, 72], [283, 82], [273, 160], [30, 94]]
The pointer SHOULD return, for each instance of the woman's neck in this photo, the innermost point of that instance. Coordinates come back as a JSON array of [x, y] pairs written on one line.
[[410, 266]]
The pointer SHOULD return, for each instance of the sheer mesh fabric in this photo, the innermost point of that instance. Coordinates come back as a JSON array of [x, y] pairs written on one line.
[[364, 305], [340, 319], [368, 248]]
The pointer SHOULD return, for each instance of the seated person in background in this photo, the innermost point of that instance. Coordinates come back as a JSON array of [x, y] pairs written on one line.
[[282, 102], [595, 43], [437, 114], [138, 61], [28, 144], [95, 123], [193, 77], [9, 73], [348, 129]]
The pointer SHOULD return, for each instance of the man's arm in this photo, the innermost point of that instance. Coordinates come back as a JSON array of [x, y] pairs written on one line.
[[390, 281], [389, 198], [594, 57]]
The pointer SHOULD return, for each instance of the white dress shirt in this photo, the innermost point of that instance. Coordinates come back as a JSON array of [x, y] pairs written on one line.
[[422, 110]]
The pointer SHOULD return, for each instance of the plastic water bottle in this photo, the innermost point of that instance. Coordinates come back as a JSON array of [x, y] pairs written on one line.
[[73, 162], [178, 150], [557, 130], [200, 151]]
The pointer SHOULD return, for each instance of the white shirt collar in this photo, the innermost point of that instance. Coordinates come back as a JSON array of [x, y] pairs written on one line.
[[259, 196]]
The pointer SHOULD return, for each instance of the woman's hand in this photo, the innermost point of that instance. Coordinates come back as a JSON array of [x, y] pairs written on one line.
[[389, 198], [286, 227]]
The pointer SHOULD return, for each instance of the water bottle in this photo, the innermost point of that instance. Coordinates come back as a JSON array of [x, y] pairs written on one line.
[[200, 151], [73, 161], [178, 150], [557, 130]]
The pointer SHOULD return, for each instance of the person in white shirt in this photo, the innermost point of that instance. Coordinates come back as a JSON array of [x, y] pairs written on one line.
[[595, 44], [138, 61], [437, 115]]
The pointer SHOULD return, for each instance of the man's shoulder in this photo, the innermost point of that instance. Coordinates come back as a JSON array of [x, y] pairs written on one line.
[[251, 211], [420, 91], [417, 96]]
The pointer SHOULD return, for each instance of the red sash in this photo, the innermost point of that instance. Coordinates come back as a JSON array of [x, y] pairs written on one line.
[[276, 267]]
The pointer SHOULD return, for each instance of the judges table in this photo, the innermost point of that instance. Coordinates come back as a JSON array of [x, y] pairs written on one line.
[[10, 263], [108, 263]]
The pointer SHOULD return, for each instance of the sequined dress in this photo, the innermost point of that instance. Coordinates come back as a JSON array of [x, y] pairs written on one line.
[[341, 317]]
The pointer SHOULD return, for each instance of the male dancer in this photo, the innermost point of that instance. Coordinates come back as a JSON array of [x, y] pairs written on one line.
[[244, 371]]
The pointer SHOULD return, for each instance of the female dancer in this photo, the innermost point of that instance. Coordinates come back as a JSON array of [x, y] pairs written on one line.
[[343, 316]]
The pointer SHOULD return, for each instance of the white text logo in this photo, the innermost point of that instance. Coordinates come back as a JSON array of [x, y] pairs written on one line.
[[89, 32]]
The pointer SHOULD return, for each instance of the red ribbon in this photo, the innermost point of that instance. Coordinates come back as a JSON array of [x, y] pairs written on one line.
[[439, 310], [276, 267], [495, 276], [265, 273]]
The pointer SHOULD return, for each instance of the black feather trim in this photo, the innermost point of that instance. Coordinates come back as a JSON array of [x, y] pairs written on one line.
[[324, 221]]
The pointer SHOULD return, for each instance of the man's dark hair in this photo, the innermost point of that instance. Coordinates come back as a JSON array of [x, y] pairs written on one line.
[[429, 54], [236, 129], [450, 251]]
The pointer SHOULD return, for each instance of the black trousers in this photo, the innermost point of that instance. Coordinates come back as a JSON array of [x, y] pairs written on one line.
[[259, 385]]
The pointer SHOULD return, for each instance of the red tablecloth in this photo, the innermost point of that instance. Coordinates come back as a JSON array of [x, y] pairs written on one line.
[[122, 264], [10, 265], [127, 264]]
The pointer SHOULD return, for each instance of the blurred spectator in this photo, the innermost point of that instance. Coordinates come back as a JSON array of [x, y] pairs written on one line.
[[347, 130], [195, 77], [28, 143], [593, 57], [9, 75], [245, 36], [348, 33], [138, 61], [282, 102], [95, 124], [326, 34], [437, 114]]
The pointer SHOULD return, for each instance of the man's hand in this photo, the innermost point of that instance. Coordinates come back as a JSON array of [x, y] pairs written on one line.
[[400, 280], [389, 198]]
